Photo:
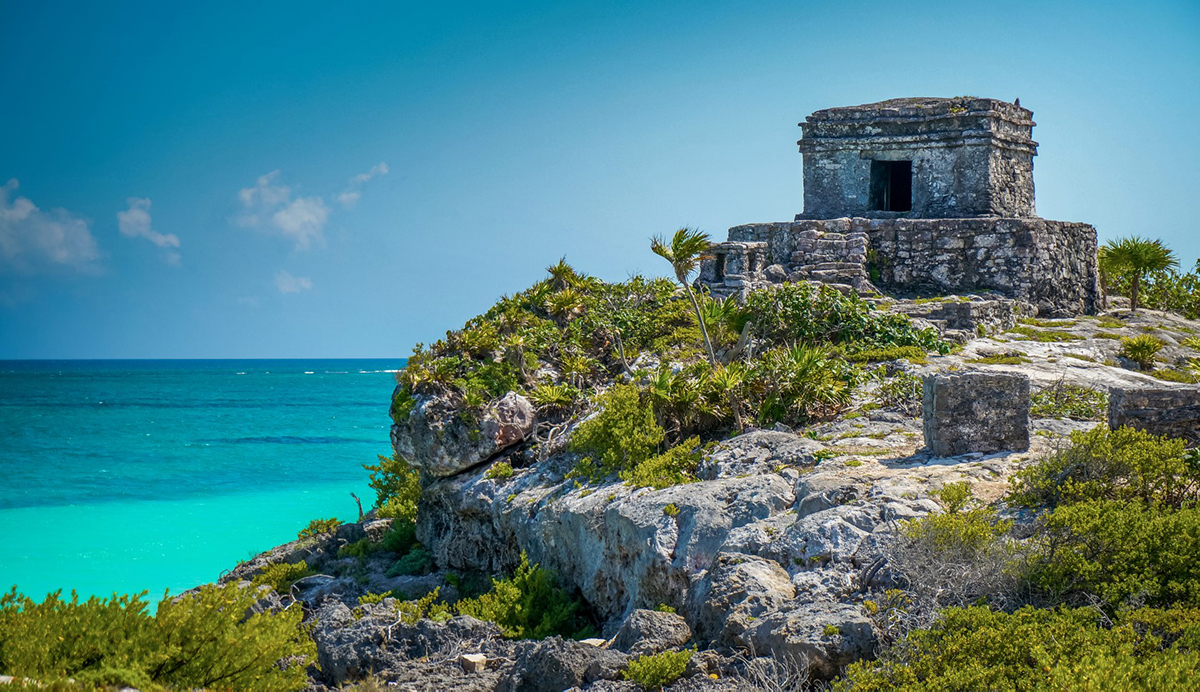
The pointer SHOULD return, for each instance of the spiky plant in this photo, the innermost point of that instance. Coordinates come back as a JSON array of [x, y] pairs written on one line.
[[1133, 258], [685, 251]]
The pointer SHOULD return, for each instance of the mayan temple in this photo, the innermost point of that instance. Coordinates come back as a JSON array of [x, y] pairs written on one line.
[[919, 196]]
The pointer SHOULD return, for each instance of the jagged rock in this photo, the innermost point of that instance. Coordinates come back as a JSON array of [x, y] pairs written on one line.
[[808, 633], [556, 664], [436, 440], [651, 631], [758, 452], [351, 645], [735, 591]]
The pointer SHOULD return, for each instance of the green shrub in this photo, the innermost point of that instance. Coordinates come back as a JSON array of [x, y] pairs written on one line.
[[797, 384], [281, 575], [200, 640], [361, 549], [1122, 464], [369, 598], [655, 671], [664, 608], [1142, 349], [499, 471], [403, 403], [818, 314], [976, 648], [1070, 401], [415, 562], [671, 510], [1189, 376], [528, 605], [400, 538], [1120, 552], [673, 467], [426, 607], [397, 488], [621, 435], [318, 527]]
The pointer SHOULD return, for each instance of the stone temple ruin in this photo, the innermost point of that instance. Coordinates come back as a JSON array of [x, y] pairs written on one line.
[[919, 196]]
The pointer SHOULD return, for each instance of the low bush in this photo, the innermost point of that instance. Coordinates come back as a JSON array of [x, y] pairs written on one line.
[[656, 671], [281, 575], [977, 648], [428, 606], [1120, 552], [199, 640], [1103, 464], [798, 384], [621, 435], [400, 538], [1142, 349], [903, 392], [1045, 335], [1070, 401], [673, 467], [318, 527], [416, 561], [527, 605], [499, 471], [361, 549]]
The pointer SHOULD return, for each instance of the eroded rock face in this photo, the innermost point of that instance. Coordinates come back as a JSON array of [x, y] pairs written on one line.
[[556, 664], [828, 636], [440, 442], [737, 590]]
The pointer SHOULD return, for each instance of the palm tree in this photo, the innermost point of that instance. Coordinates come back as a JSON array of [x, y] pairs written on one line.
[[1133, 258], [687, 248]]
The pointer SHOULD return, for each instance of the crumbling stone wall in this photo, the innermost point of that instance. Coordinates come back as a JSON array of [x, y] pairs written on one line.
[[1049, 264], [976, 412], [1173, 411]]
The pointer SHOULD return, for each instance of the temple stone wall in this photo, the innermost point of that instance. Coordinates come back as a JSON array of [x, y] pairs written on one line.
[[1048, 264], [976, 412], [1173, 411]]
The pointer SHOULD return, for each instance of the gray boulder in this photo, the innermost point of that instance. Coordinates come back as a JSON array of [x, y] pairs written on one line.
[[737, 590], [651, 631], [557, 664], [828, 636], [436, 440]]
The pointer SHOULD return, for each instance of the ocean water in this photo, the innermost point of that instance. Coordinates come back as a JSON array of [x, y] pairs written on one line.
[[123, 476]]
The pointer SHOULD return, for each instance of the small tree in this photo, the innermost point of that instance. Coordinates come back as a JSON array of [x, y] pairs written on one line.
[[1132, 258], [685, 251]]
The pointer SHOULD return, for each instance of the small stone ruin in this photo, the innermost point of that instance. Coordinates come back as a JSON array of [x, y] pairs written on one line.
[[926, 196], [976, 412], [1171, 411]]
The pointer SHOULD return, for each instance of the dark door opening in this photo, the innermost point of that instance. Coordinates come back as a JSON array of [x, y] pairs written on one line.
[[719, 267], [891, 186]]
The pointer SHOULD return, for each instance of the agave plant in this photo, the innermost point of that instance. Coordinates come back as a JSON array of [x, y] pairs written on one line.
[[1133, 258], [685, 251], [1142, 349]]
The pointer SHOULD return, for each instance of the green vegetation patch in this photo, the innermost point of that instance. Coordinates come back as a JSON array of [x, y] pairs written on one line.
[[656, 671], [1044, 335], [1010, 358], [1070, 401], [201, 640]]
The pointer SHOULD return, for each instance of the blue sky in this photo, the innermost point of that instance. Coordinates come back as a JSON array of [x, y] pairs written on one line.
[[321, 180]]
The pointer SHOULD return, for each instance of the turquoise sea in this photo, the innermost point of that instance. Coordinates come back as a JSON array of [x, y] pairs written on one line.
[[149, 475]]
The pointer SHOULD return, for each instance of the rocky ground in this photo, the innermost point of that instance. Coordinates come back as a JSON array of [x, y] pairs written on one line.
[[770, 554]]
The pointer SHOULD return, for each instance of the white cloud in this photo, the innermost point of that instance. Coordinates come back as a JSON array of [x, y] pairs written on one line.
[[248, 301], [269, 205], [302, 220], [380, 168], [33, 240], [286, 283], [351, 195], [134, 222]]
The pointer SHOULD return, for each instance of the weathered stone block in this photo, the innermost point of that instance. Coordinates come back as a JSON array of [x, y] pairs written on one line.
[[1174, 411], [976, 412]]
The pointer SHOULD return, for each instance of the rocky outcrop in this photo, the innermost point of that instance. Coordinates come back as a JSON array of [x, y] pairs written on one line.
[[651, 631], [828, 636], [437, 439]]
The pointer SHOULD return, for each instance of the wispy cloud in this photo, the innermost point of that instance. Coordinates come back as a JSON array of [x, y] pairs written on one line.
[[134, 222], [269, 205], [34, 241], [286, 283], [350, 196]]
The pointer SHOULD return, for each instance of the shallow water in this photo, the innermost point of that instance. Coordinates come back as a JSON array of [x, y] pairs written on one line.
[[131, 475]]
